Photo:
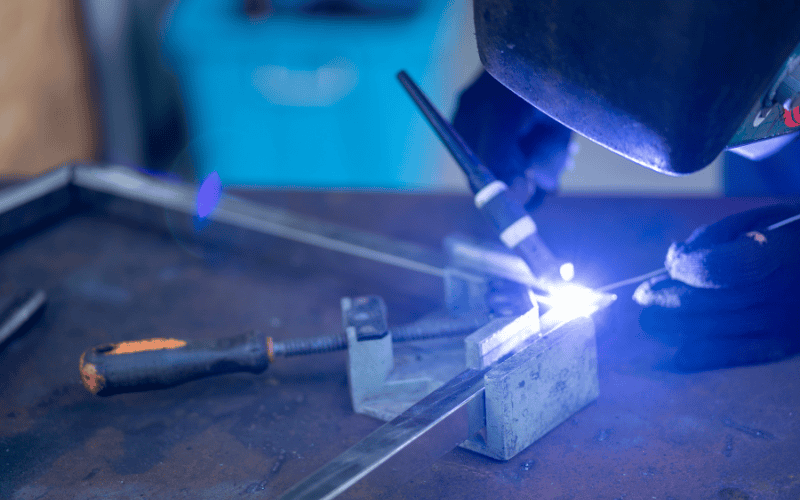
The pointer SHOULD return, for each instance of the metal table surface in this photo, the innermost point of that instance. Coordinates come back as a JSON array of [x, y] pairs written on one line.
[[653, 433]]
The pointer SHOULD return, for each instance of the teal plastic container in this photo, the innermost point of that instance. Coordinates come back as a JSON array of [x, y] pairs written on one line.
[[309, 101]]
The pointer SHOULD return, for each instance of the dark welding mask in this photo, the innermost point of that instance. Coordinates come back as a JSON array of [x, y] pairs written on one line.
[[668, 84]]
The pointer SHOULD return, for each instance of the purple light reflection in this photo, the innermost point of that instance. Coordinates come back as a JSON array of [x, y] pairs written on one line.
[[208, 195]]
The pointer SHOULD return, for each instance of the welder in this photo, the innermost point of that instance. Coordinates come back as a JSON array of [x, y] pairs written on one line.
[[665, 84]]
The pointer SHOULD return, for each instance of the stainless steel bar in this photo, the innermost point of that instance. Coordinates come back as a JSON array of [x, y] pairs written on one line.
[[125, 183], [395, 451], [18, 311], [415, 439], [31, 203]]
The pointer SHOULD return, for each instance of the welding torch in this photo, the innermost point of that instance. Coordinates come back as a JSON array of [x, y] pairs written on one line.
[[515, 226]]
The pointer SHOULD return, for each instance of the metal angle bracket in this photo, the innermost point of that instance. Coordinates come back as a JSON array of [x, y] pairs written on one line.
[[538, 376], [540, 371]]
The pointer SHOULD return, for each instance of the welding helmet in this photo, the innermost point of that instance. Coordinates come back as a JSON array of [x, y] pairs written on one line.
[[668, 84]]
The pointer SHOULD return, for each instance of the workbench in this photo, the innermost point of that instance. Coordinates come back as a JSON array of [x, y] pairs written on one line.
[[653, 432]]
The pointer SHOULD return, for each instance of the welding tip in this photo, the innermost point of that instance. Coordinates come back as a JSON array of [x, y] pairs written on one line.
[[515, 226]]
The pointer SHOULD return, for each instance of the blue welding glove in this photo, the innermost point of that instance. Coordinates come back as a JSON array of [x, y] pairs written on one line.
[[522, 146], [732, 296]]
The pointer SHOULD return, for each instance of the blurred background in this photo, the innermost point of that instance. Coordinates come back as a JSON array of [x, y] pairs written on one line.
[[283, 93]]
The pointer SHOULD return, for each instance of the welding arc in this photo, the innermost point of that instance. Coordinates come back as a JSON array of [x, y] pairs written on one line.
[[663, 270]]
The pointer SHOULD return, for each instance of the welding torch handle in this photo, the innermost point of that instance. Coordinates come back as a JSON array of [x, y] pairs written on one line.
[[477, 174], [515, 226], [157, 363]]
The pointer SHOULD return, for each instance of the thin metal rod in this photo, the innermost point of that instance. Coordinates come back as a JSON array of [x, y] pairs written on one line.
[[663, 270], [125, 183], [784, 222], [631, 281], [414, 439], [423, 329], [19, 311]]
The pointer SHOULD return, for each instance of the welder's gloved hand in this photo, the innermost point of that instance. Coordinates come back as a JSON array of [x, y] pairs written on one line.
[[732, 296], [522, 146]]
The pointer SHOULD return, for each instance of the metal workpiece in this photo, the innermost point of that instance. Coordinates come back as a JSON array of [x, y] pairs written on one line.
[[17, 311], [542, 372], [131, 195], [38, 201], [536, 389], [463, 296], [396, 451], [369, 356], [124, 192], [365, 316], [499, 338], [486, 261], [385, 381], [123, 183], [518, 384], [384, 377], [504, 291]]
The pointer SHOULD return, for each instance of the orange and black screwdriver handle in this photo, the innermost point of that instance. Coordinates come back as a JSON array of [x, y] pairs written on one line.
[[161, 362]]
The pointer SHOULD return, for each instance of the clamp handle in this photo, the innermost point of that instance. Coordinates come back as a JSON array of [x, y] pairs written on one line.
[[142, 365]]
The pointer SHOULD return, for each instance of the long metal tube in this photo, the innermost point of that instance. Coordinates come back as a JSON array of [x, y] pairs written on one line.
[[395, 451], [129, 185]]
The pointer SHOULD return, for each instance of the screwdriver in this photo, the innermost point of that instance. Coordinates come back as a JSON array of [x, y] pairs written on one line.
[[516, 228], [156, 363]]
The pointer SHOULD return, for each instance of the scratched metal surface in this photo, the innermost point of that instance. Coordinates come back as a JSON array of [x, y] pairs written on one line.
[[730, 434]]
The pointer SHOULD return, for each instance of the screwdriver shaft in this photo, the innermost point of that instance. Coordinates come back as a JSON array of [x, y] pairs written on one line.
[[419, 330]]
